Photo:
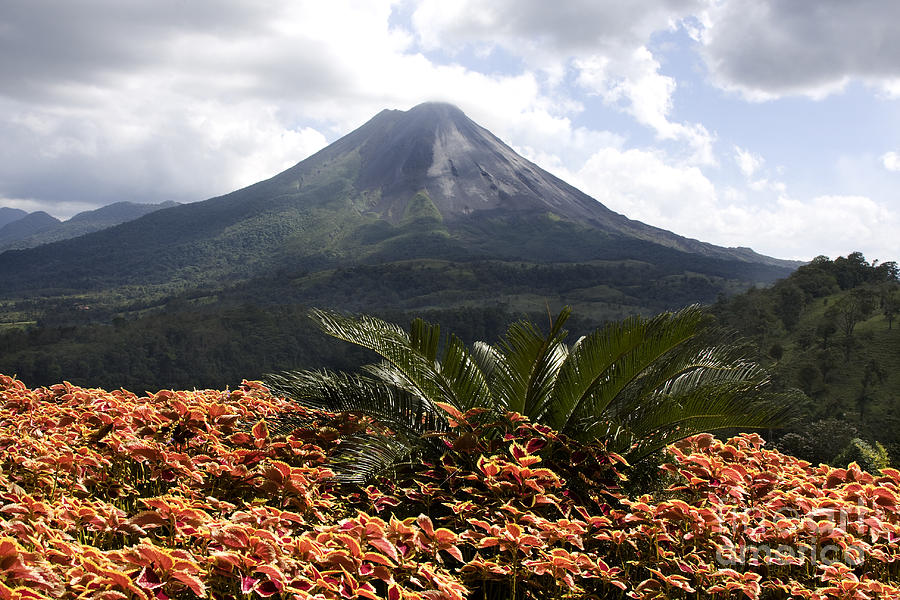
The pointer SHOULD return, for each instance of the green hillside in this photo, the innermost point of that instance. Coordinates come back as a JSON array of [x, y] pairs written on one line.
[[830, 330]]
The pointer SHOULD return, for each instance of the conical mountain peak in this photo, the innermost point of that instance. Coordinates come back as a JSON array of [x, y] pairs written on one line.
[[437, 110], [425, 182], [462, 167]]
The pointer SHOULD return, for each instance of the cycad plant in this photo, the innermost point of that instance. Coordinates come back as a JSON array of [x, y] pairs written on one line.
[[637, 385]]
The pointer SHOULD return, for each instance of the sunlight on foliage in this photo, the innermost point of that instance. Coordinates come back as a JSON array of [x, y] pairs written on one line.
[[178, 494]]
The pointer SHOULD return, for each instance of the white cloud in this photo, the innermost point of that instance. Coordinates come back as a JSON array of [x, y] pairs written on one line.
[[891, 161], [750, 165], [747, 162], [575, 27], [144, 150], [191, 107], [63, 210], [834, 225], [149, 101], [645, 186], [635, 82]]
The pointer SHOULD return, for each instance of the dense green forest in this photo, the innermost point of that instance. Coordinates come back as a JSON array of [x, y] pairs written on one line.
[[829, 329], [216, 337]]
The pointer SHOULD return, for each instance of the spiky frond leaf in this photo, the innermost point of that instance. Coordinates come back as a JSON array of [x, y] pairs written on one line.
[[526, 376], [606, 362], [408, 414], [463, 374], [360, 458], [404, 360]]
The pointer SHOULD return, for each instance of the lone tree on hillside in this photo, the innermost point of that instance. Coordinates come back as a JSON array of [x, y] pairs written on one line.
[[848, 312]]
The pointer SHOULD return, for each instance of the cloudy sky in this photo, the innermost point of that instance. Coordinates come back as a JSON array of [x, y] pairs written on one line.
[[773, 124]]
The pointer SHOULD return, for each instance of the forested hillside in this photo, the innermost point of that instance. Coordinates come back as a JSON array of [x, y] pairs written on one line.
[[830, 329], [217, 337]]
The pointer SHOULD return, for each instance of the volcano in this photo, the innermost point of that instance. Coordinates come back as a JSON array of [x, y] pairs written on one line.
[[423, 184]]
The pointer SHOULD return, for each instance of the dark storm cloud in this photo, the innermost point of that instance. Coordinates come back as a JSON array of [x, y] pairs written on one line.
[[775, 47], [46, 44]]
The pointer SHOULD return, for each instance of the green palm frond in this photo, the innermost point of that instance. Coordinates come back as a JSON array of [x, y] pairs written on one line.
[[672, 417], [425, 338], [526, 375], [363, 457], [465, 377], [403, 419], [606, 362], [692, 367], [639, 384], [405, 413], [409, 361]]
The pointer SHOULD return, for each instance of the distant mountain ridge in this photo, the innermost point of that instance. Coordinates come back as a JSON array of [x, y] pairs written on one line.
[[31, 224], [422, 184], [8, 215], [35, 229]]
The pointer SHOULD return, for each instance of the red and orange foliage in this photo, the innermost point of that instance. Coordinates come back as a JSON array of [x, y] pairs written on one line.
[[113, 496]]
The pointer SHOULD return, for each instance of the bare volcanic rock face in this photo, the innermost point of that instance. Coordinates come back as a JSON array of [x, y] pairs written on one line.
[[463, 168]]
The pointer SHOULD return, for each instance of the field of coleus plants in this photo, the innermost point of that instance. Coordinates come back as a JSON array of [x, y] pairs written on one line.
[[215, 494]]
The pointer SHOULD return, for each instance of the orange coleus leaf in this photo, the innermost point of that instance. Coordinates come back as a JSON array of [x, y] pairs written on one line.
[[426, 525], [216, 410], [385, 546], [453, 412], [260, 432], [149, 579], [142, 452], [226, 560], [350, 543], [191, 581], [22, 593], [676, 581], [278, 471], [364, 592], [454, 551], [518, 451], [835, 477], [444, 536], [534, 445], [530, 459], [885, 498], [375, 527], [394, 592], [479, 523], [240, 439], [272, 572], [378, 558], [156, 556], [148, 518], [489, 468], [264, 550], [234, 536]]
